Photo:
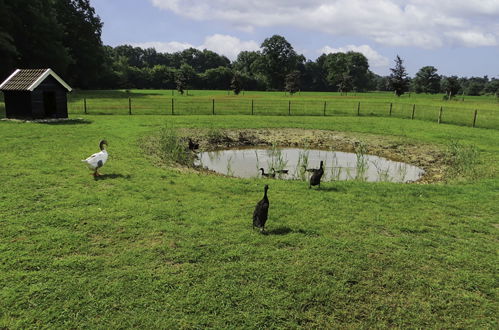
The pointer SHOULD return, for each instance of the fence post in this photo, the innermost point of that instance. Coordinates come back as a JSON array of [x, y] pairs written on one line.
[[85, 105], [289, 108], [474, 118], [413, 110], [440, 115], [251, 107], [391, 105], [129, 106], [173, 107], [325, 108], [358, 109], [213, 106]]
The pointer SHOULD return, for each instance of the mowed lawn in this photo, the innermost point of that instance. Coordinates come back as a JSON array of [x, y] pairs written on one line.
[[156, 247]]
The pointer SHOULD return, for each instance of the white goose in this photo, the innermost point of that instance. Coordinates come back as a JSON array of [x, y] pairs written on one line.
[[98, 159]]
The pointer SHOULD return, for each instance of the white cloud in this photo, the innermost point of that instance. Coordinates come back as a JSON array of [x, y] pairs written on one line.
[[375, 59], [222, 44], [164, 47], [228, 45], [421, 23]]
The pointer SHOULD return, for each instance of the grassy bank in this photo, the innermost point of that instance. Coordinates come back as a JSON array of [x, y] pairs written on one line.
[[150, 246]]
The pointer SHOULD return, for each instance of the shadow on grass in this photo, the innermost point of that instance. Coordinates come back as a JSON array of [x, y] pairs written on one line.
[[111, 176], [326, 189], [113, 94], [287, 230], [76, 121]]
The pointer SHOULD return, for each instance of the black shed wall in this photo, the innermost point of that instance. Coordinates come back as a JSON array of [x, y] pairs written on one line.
[[37, 100], [17, 104]]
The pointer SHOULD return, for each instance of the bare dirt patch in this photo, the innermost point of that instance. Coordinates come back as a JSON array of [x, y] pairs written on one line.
[[427, 156]]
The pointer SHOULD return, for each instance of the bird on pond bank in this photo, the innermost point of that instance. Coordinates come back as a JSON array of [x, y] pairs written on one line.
[[280, 171], [192, 145], [261, 212], [315, 179], [268, 175], [97, 160]]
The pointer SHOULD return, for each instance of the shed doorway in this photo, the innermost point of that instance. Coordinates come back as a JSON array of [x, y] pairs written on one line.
[[49, 104]]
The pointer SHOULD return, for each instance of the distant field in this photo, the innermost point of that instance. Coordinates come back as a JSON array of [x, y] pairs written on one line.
[[459, 111], [420, 106]]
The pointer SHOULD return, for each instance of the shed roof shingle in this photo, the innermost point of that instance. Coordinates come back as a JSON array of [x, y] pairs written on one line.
[[29, 79]]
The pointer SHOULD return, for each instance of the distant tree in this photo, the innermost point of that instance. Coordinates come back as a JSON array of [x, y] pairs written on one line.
[[31, 37], [249, 62], [235, 83], [218, 78], [492, 86], [184, 77], [345, 71], [450, 86], [82, 38], [427, 80], [399, 81], [346, 83], [292, 82], [203, 60], [163, 77], [279, 59], [313, 77]]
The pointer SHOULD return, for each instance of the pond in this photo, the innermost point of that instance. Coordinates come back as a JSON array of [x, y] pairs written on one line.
[[245, 163]]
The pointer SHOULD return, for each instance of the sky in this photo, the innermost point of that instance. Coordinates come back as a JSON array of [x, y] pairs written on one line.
[[458, 37]]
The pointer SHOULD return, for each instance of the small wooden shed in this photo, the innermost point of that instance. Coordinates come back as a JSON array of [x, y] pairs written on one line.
[[35, 93]]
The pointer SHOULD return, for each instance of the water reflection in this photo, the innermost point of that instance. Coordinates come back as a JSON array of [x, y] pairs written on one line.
[[245, 163]]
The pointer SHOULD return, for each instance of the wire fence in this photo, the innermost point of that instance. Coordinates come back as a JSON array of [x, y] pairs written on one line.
[[484, 118], [207, 106]]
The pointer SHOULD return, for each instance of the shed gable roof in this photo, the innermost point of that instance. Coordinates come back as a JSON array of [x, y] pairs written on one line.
[[29, 79]]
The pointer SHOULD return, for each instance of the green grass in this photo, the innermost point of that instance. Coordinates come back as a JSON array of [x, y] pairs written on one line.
[[154, 247], [427, 107]]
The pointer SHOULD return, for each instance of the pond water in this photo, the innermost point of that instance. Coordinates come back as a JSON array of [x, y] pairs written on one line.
[[245, 163]]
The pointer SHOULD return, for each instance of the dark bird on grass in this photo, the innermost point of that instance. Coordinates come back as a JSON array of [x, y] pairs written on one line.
[[268, 175], [261, 211], [280, 171], [192, 145], [315, 179], [97, 160]]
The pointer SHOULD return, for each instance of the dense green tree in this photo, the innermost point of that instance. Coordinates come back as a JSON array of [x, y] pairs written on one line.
[[345, 71], [235, 83], [31, 36], [249, 62], [292, 82], [82, 38], [399, 81], [492, 86], [218, 78], [313, 77], [427, 80], [450, 86], [185, 77], [279, 59]]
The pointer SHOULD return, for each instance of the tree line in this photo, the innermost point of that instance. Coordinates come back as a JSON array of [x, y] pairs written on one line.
[[65, 35]]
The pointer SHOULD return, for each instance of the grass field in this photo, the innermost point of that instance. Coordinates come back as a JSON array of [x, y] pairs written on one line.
[[155, 247], [422, 106]]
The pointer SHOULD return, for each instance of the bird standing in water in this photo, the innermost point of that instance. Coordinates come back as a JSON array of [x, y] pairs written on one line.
[[97, 160], [261, 212], [268, 175]]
